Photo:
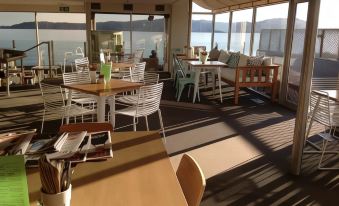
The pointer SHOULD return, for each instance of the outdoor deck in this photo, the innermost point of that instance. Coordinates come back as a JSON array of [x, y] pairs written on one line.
[[242, 149]]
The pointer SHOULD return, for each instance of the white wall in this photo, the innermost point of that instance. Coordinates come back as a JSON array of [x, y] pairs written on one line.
[[179, 26]]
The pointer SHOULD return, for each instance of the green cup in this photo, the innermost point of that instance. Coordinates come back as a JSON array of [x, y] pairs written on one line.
[[106, 71]]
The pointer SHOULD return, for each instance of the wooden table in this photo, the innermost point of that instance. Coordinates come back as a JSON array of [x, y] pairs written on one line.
[[102, 91], [140, 173], [197, 66]]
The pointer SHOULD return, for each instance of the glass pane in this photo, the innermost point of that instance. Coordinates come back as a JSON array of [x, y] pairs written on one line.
[[201, 30], [297, 53], [241, 31], [326, 62], [112, 23], [269, 35], [66, 30], [197, 8], [20, 27], [149, 35], [221, 30]]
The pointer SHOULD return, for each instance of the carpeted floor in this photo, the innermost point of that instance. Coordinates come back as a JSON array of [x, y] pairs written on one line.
[[243, 149]]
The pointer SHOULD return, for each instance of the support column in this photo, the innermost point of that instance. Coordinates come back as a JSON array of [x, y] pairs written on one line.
[[305, 82]]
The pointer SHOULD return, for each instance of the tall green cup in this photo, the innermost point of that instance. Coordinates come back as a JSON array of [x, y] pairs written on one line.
[[106, 71]]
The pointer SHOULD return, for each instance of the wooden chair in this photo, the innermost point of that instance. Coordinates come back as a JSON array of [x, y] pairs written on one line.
[[191, 179], [89, 127]]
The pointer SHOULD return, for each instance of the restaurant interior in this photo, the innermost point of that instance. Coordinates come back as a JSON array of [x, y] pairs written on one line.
[[169, 102]]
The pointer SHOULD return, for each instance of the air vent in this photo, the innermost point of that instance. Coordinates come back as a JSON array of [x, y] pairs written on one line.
[[128, 7], [159, 7], [95, 6]]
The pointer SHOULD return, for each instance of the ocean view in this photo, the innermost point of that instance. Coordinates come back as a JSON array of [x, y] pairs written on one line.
[[69, 40]]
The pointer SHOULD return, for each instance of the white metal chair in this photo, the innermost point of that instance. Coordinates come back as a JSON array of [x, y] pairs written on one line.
[[54, 104], [321, 112], [138, 55], [147, 103], [80, 77], [151, 78], [82, 64], [137, 73]]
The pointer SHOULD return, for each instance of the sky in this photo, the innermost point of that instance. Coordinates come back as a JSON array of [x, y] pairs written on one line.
[[329, 15]]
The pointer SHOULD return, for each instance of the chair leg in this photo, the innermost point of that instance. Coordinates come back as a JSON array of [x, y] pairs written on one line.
[[198, 95], [43, 120], [134, 124], [146, 120], [325, 142], [189, 91], [162, 125], [181, 88]]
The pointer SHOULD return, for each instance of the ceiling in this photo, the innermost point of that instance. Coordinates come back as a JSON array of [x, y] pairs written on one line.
[[77, 2]]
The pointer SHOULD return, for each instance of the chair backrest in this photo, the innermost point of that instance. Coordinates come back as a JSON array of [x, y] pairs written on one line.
[[138, 72], [79, 77], [82, 64], [138, 54], [149, 97], [191, 179], [180, 70], [52, 96], [89, 127], [151, 78], [79, 52], [319, 107]]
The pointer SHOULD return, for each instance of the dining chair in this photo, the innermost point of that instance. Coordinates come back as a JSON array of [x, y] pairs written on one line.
[[137, 73], [82, 64], [79, 77], [147, 103], [320, 111], [191, 179], [151, 78], [183, 78], [54, 104]]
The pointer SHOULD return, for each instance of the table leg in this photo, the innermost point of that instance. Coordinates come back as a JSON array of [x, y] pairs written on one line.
[[101, 108], [219, 79], [196, 83], [213, 79], [69, 101], [112, 110]]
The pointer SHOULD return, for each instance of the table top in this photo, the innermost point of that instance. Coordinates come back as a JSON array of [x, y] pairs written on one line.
[[206, 64], [45, 67], [122, 65], [115, 86], [140, 173]]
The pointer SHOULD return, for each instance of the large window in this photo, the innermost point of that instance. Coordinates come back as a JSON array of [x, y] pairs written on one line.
[[241, 31], [221, 30], [109, 24], [67, 30], [270, 30], [149, 34], [202, 27], [20, 28]]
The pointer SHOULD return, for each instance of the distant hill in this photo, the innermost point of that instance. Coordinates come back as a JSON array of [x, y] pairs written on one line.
[[141, 25], [158, 25]]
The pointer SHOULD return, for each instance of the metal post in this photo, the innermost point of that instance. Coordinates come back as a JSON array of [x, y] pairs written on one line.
[[37, 38], [254, 17], [52, 52], [229, 31], [49, 59], [85, 49], [213, 30]]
